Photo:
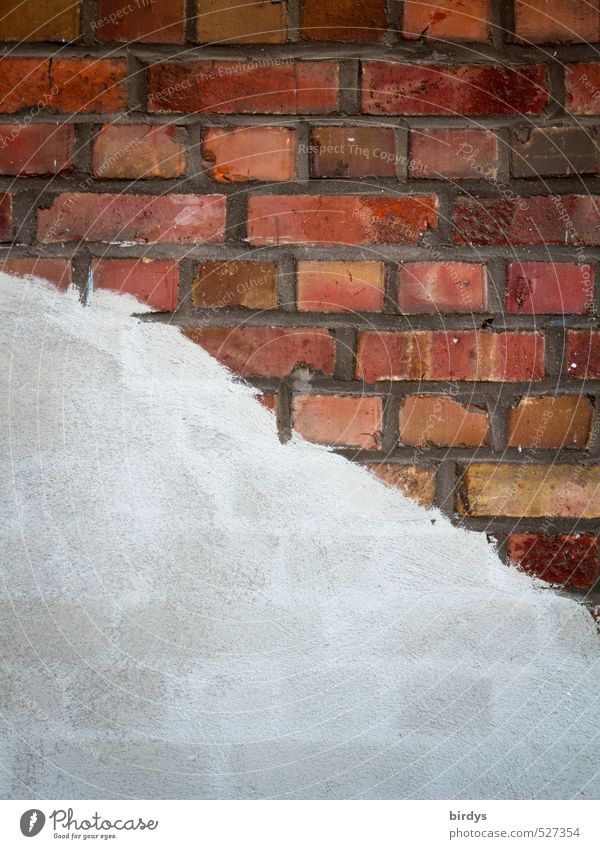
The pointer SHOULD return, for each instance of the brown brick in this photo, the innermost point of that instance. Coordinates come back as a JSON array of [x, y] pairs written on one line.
[[218, 285], [449, 355], [267, 351], [338, 420], [229, 22], [251, 153], [441, 421], [340, 286], [36, 149], [549, 287], [453, 154], [413, 481], [550, 422], [39, 20], [557, 21], [352, 152], [390, 88], [359, 21], [565, 560], [138, 152], [583, 354], [554, 152], [466, 20], [152, 281], [286, 88], [500, 489], [339, 219], [145, 21], [56, 271], [446, 287]]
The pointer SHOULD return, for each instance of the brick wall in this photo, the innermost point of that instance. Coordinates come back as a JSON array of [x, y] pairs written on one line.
[[382, 214]]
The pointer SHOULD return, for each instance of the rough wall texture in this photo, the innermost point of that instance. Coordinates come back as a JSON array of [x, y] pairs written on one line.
[[383, 215]]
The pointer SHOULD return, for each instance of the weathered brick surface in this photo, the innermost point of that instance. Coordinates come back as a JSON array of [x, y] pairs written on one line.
[[138, 152], [448, 355], [39, 20], [554, 151], [148, 21], [340, 286], [250, 284], [415, 482], [467, 20], [389, 88], [229, 22], [267, 351], [36, 149], [6, 218], [86, 85], [550, 422], [442, 421], [432, 287], [153, 282], [453, 154], [338, 420], [556, 220], [194, 219], [56, 271], [565, 560], [237, 154], [549, 287], [286, 88], [555, 21], [335, 219], [345, 20], [490, 489], [582, 84], [352, 152], [583, 354]]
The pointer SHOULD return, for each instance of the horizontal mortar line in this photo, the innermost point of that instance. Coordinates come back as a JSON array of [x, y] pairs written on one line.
[[518, 524], [472, 455]]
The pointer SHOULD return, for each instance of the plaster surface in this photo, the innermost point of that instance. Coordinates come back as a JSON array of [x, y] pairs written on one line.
[[192, 610]]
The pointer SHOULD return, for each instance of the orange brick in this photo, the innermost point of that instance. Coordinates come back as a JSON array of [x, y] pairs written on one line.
[[441, 421], [251, 153], [458, 20], [550, 422], [138, 152], [340, 286], [413, 481], [557, 21], [339, 420], [218, 285]]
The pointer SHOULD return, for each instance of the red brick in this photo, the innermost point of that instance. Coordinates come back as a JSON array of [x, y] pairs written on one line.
[[340, 286], [549, 287], [413, 481], [152, 281], [582, 84], [288, 88], [6, 218], [583, 354], [432, 287], [56, 271], [389, 88], [36, 149], [557, 21], [352, 152], [465, 20], [23, 83], [255, 22], [503, 489], [151, 21], [251, 153], [338, 420], [39, 20], [267, 351], [550, 422], [138, 152], [447, 355], [564, 560], [441, 421], [453, 154], [185, 219], [268, 400], [358, 21], [339, 219], [88, 85], [569, 219], [235, 283]]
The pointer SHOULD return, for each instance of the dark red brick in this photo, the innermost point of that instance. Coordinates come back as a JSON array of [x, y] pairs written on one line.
[[36, 149], [554, 151], [389, 88], [6, 218], [568, 219], [24, 83], [453, 154], [549, 287], [583, 354], [564, 560], [339, 219], [287, 88]]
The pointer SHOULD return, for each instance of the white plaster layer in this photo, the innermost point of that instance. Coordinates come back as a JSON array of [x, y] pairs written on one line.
[[191, 609]]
